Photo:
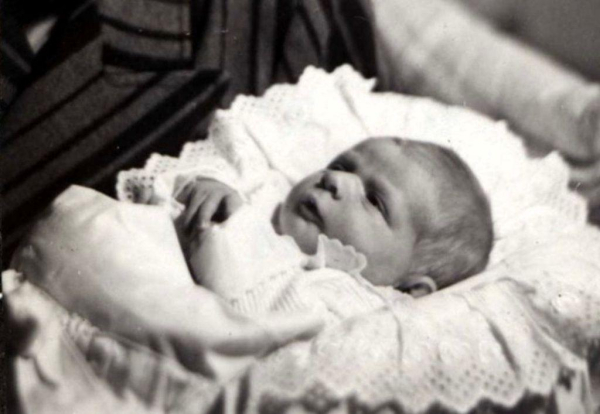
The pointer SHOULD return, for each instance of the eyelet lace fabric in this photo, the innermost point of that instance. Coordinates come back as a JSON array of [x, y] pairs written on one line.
[[528, 322]]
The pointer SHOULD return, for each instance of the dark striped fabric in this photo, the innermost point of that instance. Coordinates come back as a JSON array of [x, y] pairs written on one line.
[[147, 34], [257, 42], [148, 80], [15, 57]]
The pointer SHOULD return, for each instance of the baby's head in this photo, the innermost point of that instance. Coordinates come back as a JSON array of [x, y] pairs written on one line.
[[414, 209]]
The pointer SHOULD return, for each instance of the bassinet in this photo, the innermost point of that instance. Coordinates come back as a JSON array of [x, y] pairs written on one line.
[[522, 336]]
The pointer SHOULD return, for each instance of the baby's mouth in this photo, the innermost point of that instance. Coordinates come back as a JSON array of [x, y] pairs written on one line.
[[309, 210]]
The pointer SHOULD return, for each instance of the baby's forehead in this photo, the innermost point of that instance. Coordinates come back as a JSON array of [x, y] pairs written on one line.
[[386, 155], [405, 155], [374, 145], [408, 164]]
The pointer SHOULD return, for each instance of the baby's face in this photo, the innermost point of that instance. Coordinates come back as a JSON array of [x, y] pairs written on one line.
[[369, 197]]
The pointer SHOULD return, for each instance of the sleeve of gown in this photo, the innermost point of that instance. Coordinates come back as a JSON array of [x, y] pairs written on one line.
[[438, 48]]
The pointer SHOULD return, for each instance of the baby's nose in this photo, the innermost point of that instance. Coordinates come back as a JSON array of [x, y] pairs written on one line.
[[338, 183], [330, 183]]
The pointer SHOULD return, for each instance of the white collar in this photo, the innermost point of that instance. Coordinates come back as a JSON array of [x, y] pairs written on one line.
[[331, 253]]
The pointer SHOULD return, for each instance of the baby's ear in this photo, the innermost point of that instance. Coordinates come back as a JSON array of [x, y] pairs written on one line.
[[419, 285]]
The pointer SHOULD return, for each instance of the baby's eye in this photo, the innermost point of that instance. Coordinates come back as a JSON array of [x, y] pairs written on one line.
[[376, 202], [337, 166]]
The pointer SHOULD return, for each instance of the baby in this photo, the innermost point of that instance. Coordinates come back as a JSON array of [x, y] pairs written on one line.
[[413, 209]]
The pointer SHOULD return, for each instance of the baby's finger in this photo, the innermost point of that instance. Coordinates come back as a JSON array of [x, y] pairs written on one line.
[[231, 204], [184, 188], [208, 210], [192, 209], [181, 230]]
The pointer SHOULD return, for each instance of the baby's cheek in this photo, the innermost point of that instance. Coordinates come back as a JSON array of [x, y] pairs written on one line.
[[351, 229], [304, 234]]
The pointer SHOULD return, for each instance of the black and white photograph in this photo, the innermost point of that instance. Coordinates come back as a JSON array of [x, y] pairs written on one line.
[[300, 206]]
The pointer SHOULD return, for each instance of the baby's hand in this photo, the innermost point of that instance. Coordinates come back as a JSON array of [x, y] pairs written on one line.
[[206, 201]]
